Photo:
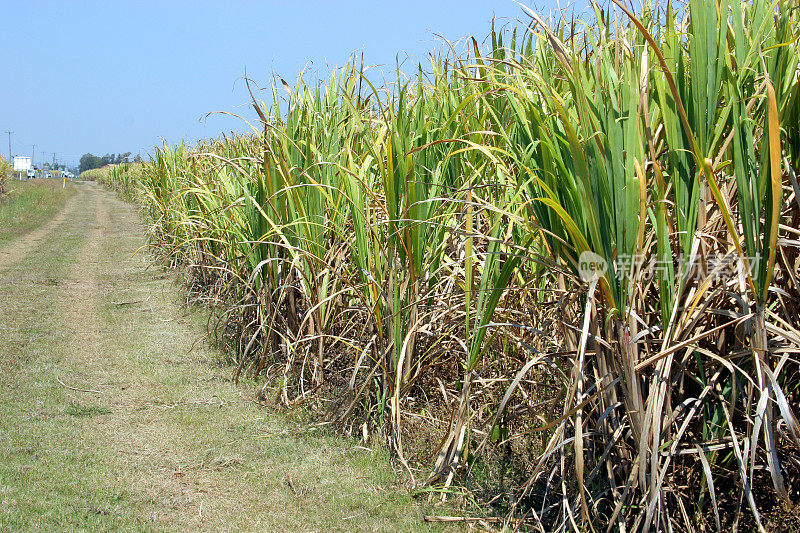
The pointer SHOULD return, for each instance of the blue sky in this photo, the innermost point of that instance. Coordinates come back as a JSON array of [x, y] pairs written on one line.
[[111, 76]]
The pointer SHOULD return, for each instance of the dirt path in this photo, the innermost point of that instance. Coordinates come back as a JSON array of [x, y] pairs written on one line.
[[109, 419]]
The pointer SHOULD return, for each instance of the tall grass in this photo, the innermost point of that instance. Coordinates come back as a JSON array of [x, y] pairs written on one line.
[[28, 204], [421, 250], [123, 177], [101, 174], [5, 175]]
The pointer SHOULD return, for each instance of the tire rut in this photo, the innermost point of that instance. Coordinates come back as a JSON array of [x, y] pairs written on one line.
[[135, 436]]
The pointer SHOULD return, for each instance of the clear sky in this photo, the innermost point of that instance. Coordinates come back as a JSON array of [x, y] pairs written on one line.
[[110, 76]]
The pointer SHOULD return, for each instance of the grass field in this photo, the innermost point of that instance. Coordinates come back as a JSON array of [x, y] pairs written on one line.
[[29, 204]]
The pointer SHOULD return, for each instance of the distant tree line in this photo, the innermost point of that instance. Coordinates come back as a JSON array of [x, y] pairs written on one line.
[[90, 161]]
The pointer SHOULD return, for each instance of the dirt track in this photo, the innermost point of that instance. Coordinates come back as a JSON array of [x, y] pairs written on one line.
[[109, 419]]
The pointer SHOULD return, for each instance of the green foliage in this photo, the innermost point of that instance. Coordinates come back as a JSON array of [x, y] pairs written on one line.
[[5, 174], [412, 241], [96, 174], [89, 161], [28, 204]]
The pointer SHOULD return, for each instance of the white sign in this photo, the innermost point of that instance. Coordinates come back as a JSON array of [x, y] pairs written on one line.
[[22, 163]]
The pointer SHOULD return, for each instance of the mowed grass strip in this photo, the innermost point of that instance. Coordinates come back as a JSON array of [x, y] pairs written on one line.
[[50, 477], [29, 204]]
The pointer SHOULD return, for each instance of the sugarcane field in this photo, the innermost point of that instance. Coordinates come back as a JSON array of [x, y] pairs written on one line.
[[484, 266]]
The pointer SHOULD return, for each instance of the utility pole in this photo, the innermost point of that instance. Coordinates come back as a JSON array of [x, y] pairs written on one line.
[[54, 160], [33, 155], [10, 157]]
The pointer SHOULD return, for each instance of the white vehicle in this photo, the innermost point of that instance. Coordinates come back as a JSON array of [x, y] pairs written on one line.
[[31, 173]]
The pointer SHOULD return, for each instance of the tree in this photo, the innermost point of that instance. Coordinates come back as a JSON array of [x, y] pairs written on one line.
[[89, 161]]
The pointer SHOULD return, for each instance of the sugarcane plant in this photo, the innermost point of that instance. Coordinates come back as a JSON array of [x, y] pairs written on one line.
[[580, 235]]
